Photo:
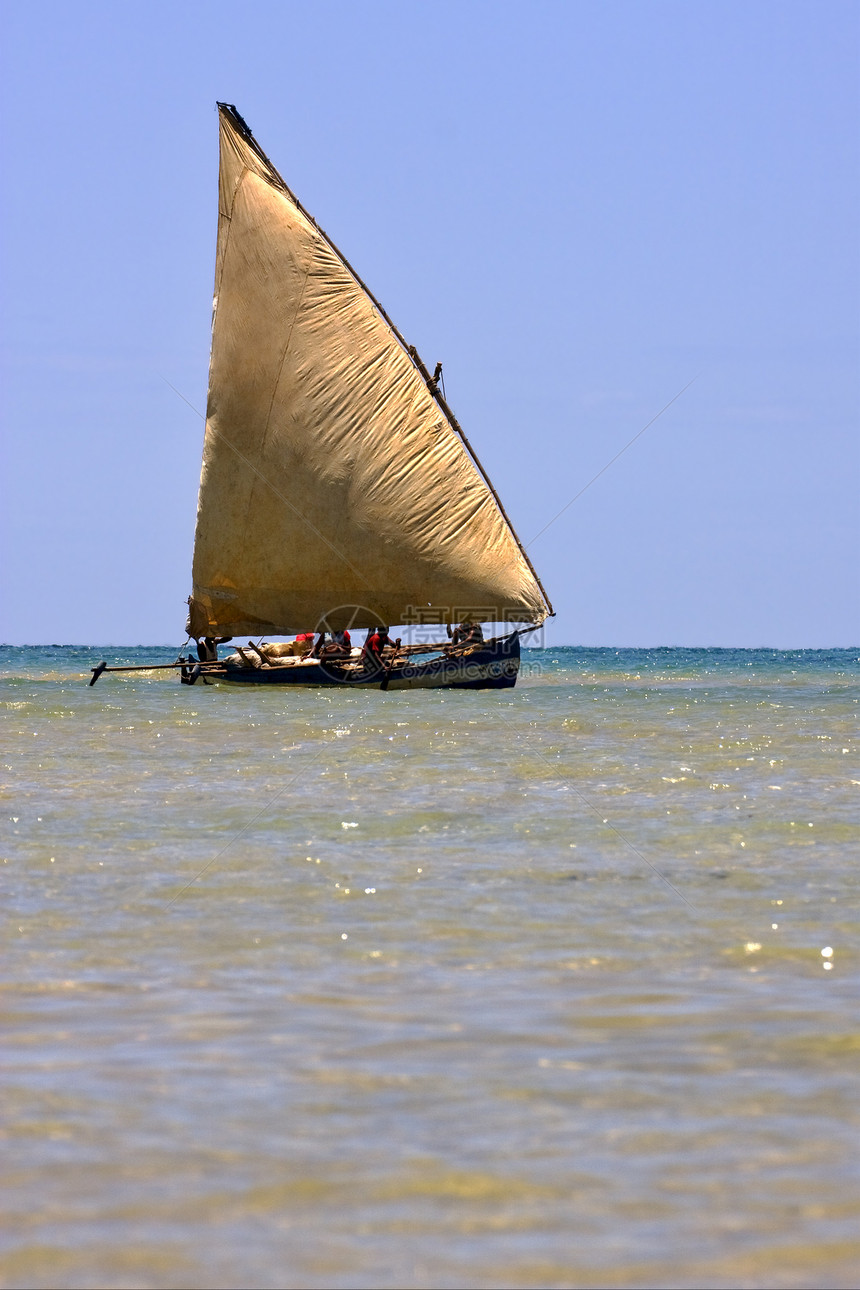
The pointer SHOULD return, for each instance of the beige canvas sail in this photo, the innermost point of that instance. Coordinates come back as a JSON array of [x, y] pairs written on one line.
[[334, 487]]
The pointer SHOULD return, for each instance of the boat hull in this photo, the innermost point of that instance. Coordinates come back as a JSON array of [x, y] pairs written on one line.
[[492, 666]]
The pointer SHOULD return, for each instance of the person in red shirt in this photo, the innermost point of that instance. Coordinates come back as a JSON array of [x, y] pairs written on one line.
[[371, 649], [374, 646]]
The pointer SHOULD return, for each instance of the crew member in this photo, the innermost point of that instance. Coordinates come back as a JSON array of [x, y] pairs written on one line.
[[468, 633], [339, 646], [376, 641], [207, 648]]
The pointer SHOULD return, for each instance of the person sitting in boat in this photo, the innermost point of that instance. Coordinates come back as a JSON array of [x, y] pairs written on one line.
[[340, 646], [371, 648], [377, 639], [207, 648], [342, 641], [468, 633]]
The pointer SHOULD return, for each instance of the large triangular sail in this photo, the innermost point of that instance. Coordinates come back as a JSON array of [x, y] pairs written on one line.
[[335, 485]]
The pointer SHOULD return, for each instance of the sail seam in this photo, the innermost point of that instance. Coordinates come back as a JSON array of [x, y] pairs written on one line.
[[275, 394], [229, 219], [286, 350]]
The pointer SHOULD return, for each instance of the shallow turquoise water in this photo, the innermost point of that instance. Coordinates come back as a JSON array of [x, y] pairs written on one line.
[[433, 989]]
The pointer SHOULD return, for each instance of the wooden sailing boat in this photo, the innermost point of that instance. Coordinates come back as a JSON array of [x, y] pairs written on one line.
[[337, 487]]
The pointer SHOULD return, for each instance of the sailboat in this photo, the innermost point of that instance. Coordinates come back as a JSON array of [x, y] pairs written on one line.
[[337, 488]]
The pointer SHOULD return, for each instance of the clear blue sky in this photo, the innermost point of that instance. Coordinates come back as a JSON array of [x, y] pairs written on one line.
[[578, 207]]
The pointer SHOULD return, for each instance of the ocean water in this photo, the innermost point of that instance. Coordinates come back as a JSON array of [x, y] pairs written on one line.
[[554, 986]]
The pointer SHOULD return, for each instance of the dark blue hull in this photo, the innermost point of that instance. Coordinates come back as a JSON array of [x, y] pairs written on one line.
[[491, 666]]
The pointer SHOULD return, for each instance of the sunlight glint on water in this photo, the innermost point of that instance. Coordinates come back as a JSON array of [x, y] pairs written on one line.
[[550, 986]]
